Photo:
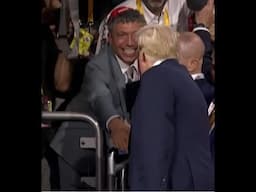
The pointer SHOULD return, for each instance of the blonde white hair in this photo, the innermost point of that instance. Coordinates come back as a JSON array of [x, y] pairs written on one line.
[[157, 41]]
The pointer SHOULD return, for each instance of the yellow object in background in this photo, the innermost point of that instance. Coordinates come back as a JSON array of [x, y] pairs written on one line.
[[49, 103], [85, 41]]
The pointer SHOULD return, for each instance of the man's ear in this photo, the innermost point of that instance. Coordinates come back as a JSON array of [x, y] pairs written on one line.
[[142, 62], [142, 57], [193, 64]]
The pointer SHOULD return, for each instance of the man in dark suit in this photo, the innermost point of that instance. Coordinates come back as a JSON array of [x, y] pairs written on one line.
[[204, 20], [102, 96], [169, 128], [190, 52]]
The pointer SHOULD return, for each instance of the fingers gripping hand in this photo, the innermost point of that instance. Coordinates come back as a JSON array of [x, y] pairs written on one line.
[[120, 132]]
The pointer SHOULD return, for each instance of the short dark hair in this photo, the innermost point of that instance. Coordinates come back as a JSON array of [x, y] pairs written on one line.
[[124, 16]]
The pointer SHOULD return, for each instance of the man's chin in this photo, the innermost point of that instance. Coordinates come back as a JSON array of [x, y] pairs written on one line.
[[129, 60]]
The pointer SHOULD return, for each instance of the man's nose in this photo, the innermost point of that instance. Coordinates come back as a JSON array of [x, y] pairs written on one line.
[[130, 40]]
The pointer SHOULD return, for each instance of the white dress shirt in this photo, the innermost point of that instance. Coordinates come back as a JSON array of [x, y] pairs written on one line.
[[124, 68], [197, 76]]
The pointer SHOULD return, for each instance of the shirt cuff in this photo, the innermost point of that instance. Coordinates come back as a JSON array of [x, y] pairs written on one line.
[[109, 119], [200, 28]]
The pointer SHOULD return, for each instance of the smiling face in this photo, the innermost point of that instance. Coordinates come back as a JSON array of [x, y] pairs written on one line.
[[122, 39]]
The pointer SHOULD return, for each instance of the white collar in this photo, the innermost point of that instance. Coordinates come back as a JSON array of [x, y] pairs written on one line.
[[152, 18], [197, 76], [158, 62], [124, 67]]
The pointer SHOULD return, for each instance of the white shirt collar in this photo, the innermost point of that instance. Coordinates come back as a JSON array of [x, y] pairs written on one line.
[[197, 76], [124, 67], [152, 18], [158, 62]]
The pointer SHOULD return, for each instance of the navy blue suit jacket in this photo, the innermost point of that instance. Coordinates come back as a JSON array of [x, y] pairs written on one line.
[[207, 61], [169, 133], [207, 89]]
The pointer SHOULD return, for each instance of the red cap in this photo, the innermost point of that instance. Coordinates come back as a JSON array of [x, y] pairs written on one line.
[[115, 12]]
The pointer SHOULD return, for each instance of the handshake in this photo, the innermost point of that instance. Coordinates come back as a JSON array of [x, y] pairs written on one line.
[[120, 132]]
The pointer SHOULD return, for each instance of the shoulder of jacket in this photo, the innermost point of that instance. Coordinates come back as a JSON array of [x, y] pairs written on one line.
[[101, 59]]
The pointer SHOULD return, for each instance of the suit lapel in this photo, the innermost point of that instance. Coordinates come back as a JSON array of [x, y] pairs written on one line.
[[116, 71], [119, 80]]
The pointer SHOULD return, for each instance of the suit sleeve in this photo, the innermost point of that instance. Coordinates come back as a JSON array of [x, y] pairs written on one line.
[[152, 134], [95, 88], [207, 62]]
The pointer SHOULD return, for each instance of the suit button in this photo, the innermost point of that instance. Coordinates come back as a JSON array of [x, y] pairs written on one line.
[[163, 183]]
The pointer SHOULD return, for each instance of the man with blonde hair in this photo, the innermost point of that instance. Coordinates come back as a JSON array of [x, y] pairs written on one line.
[[169, 147], [151, 49]]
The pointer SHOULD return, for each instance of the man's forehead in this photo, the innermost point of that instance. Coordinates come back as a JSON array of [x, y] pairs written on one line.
[[128, 25]]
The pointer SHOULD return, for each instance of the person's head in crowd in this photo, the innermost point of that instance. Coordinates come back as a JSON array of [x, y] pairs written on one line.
[[190, 51], [123, 23], [155, 6], [50, 12], [155, 42]]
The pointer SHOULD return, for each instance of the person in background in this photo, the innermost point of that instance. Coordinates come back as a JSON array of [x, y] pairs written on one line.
[[56, 68], [172, 13], [176, 15], [56, 78], [190, 52], [204, 20]]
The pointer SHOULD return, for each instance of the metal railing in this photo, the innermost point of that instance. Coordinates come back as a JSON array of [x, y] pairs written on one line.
[[113, 168], [72, 116]]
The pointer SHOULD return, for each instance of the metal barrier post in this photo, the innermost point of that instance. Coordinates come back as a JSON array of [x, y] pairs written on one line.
[[113, 168], [72, 116]]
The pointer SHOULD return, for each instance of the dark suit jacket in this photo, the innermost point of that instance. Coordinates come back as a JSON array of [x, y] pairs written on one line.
[[131, 94], [169, 133], [207, 61], [212, 142], [207, 89]]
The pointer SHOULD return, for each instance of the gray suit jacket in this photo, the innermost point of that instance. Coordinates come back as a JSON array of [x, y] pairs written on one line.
[[101, 96], [104, 86]]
